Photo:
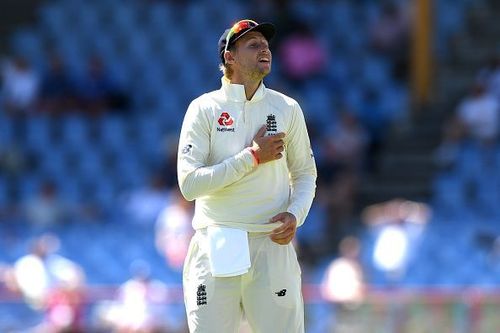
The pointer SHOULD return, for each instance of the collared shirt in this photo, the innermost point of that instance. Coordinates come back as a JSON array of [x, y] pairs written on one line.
[[216, 168]]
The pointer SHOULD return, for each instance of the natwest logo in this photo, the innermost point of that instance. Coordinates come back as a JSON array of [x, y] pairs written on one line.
[[225, 119]]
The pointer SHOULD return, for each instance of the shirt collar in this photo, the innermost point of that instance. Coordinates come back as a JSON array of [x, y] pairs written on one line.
[[236, 92]]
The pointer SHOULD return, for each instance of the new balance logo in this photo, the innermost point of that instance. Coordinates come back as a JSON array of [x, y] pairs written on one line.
[[281, 293], [186, 149], [201, 295]]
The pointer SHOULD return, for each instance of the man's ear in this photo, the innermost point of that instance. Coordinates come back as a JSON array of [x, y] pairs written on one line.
[[229, 58]]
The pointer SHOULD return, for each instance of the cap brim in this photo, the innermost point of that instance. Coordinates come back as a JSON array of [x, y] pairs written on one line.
[[266, 29]]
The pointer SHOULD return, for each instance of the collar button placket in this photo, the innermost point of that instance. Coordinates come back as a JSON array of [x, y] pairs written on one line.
[[245, 112]]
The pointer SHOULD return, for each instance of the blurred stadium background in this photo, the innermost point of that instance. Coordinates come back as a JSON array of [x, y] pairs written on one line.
[[401, 100]]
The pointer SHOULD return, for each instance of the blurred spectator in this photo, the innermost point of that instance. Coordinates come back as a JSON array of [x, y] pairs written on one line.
[[52, 284], [390, 30], [391, 249], [342, 290], [20, 86], [340, 197], [375, 121], [97, 91], [46, 208], [475, 120], [398, 225], [301, 55], [343, 280], [342, 151], [57, 88], [139, 307], [174, 231], [448, 151], [346, 143], [390, 36], [478, 113], [142, 206]]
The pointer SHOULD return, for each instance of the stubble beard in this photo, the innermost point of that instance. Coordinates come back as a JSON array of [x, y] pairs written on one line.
[[259, 73]]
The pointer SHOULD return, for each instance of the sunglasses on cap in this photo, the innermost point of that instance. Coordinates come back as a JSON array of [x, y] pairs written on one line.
[[237, 28]]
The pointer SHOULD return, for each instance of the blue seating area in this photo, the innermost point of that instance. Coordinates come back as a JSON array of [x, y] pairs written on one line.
[[163, 61], [163, 54], [472, 184], [458, 247], [447, 254]]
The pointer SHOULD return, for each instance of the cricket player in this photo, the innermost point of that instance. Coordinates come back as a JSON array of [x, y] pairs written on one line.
[[245, 157]]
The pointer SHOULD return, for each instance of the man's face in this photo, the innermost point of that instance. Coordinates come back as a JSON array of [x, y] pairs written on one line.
[[252, 56]]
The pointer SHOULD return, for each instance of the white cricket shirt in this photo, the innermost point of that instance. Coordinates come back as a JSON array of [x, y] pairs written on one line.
[[216, 168]]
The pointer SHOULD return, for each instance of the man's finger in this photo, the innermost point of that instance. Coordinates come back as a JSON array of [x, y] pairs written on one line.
[[261, 132], [277, 218], [282, 228], [282, 241], [279, 230], [283, 235], [278, 145], [279, 238], [276, 140]]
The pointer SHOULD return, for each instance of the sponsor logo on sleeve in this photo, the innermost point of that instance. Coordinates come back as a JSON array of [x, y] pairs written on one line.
[[187, 148]]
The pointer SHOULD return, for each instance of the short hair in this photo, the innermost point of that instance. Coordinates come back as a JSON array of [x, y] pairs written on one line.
[[226, 70]]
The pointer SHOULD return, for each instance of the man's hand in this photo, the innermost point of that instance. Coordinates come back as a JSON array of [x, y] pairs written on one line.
[[268, 148], [285, 232]]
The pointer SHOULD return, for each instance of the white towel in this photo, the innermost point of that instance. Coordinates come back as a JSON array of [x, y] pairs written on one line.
[[228, 251]]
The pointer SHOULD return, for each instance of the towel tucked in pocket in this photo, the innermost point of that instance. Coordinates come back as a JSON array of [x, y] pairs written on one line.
[[228, 251]]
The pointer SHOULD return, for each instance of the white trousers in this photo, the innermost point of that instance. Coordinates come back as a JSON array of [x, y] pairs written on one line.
[[269, 294]]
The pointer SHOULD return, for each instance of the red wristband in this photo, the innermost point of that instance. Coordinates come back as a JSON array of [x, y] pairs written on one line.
[[255, 157]]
